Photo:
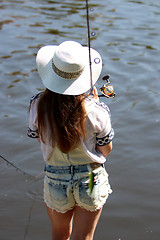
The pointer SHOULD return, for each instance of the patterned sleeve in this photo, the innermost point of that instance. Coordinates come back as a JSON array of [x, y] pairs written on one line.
[[33, 127], [105, 132], [102, 141]]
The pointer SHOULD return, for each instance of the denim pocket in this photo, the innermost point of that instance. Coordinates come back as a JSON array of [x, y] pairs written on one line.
[[104, 186], [100, 192], [58, 192], [84, 195]]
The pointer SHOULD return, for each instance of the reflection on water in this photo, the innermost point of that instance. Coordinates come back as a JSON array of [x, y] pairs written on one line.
[[127, 35]]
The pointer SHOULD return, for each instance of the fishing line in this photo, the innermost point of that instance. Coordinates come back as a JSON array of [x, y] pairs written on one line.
[[17, 168]]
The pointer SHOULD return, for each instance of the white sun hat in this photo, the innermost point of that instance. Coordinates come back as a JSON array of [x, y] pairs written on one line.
[[65, 69]]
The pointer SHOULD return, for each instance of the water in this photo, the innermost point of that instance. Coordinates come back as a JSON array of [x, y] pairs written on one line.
[[127, 35]]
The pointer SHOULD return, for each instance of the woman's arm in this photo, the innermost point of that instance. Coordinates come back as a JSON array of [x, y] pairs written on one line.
[[105, 150]]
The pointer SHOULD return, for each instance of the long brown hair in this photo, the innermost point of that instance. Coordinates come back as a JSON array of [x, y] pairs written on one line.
[[63, 117]]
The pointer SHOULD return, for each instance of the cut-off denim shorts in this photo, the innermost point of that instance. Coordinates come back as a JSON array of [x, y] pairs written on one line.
[[67, 187]]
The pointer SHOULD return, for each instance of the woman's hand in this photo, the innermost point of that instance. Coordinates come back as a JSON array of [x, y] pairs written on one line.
[[95, 92], [105, 150]]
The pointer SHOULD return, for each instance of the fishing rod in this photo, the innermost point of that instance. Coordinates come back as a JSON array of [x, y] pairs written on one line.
[[89, 44], [107, 90]]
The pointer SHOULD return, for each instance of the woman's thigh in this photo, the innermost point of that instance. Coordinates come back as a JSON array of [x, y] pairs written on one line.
[[61, 223], [85, 223]]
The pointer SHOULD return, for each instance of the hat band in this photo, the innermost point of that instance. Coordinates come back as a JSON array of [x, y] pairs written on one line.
[[66, 75]]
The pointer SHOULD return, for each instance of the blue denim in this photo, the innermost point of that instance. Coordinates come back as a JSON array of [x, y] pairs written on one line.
[[67, 187], [69, 169]]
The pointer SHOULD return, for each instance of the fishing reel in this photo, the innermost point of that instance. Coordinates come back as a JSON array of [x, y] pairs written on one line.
[[107, 89]]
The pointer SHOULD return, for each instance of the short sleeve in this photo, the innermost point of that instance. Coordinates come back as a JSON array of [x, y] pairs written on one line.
[[33, 127], [102, 141], [103, 127]]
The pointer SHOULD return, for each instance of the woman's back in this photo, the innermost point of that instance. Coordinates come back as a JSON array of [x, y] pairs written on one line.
[[98, 132]]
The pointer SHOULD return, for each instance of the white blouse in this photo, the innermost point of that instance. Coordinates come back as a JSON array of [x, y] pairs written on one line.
[[99, 132]]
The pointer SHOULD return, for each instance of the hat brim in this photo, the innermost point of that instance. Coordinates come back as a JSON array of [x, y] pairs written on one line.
[[61, 85]]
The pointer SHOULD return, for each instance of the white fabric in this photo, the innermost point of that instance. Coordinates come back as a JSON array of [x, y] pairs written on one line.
[[98, 132]]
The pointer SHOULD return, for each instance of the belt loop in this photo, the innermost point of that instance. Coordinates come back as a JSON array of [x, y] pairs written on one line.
[[72, 170]]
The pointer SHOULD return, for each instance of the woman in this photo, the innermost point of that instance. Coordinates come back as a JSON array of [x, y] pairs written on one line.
[[75, 133]]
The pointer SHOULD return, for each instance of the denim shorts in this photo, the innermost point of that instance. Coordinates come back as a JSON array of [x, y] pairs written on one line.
[[67, 187]]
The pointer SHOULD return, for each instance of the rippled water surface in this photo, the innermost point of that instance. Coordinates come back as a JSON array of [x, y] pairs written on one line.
[[127, 35]]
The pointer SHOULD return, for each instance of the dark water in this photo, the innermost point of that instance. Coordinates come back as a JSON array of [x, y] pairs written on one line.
[[127, 35]]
